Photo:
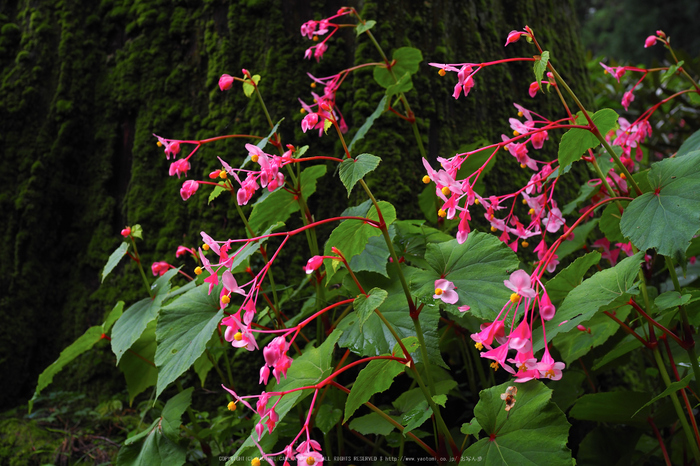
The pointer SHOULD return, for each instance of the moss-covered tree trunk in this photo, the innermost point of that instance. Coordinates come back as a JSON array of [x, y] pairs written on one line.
[[86, 83]]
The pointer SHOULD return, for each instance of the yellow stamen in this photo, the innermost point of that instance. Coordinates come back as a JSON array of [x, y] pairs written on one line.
[[622, 175], [515, 133], [255, 462], [493, 229], [159, 144], [479, 346], [494, 365], [525, 244], [522, 165], [238, 336], [505, 148], [514, 298], [198, 271], [445, 190], [605, 72], [205, 246], [225, 299], [222, 174], [313, 85], [302, 111], [426, 179], [438, 291], [549, 374], [531, 212], [476, 201], [522, 367], [524, 201], [231, 406], [310, 460], [254, 158], [441, 72], [520, 114], [442, 213]]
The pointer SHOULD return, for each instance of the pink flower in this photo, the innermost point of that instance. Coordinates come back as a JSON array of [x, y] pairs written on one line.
[[159, 268], [171, 147], [548, 367], [313, 264], [182, 250], [513, 36], [239, 333], [538, 140], [444, 290], [627, 99], [126, 231], [230, 284], [463, 228], [309, 458], [179, 167], [617, 71], [189, 187], [520, 283], [649, 41], [499, 355], [309, 122], [489, 332], [554, 220], [225, 82], [526, 365], [547, 309], [534, 87], [464, 308], [521, 338]]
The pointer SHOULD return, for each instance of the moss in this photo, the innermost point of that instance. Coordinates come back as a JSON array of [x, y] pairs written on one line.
[[25, 442]]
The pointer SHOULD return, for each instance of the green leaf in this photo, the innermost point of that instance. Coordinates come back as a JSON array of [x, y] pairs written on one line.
[[248, 87], [671, 299], [614, 407], [575, 344], [84, 343], [585, 192], [263, 142], [414, 407], [411, 344], [139, 374], [218, 189], [184, 328], [668, 217], [581, 233], [569, 278], [365, 305], [351, 236], [692, 143], [585, 300], [382, 107], [326, 125], [114, 259], [575, 142], [371, 423], [404, 84], [327, 417], [610, 223], [205, 363], [353, 170], [672, 388], [673, 69], [376, 377], [427, 201], [471, 428], [133, 322], [540, 66], [477, 268], [373, 258], [280, 205], [369, 24], [112, 317], [627, 344], [137, 231], [536, 431], [161, 439], [312, 367], [406, 60]]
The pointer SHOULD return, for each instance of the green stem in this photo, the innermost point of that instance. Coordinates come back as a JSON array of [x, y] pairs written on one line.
[[138, 262], [686, 324], [677, 406], [228, 367]]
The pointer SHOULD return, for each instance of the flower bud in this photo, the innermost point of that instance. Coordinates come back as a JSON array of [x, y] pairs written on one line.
[[225, 82]]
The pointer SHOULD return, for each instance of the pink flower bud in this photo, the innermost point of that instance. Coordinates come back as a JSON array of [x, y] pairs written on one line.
[[126, 231], [651, 40], [534, 87], [513, 36], [159, 268], [225, 82], [313, 264], [189, 187], [581, 327]]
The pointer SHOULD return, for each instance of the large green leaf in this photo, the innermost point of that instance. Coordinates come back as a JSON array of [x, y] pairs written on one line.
[[312, 367], [405, 60], [374, 257], [382, 107], [353, 170], [351, 236], [114, 259], [627, 344], [184, 328], [569, 278], [371, 423], [375, 339], [133, 322], [535, 432], [667, 217], [161, 440], [585, 300], [615, 407], [138, 367], [477, 268], [365, 305], [690, 145], [278, 206], [376, 377], [610, 223], [575, 142]]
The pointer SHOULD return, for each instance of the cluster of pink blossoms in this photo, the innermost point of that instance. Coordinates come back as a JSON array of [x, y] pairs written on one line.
[[313, 29], [520, 339], [323, 109]]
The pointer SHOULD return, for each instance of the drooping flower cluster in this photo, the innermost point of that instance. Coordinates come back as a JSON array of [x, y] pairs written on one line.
[[323, 112], [314, 29]]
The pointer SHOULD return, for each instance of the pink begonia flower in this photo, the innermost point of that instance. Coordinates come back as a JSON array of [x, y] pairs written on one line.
[[463, 228], [538, 140], [616, 71], [179, 167], [309, 458], [126, 232], [520, 339], [513, 36], [209, 241], [444, 290], [627, 99], [526, 363], [189, 187], [182, 250], [230, 284], [225, 82], [519, 282], [171, 147], [239, 334], [309, 122], [547, 309], [649, 41], [499, 355], [489, 332], [549, 368], [534, 87], [313, 264], [159, 268], [465, 81], [554, 220]]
